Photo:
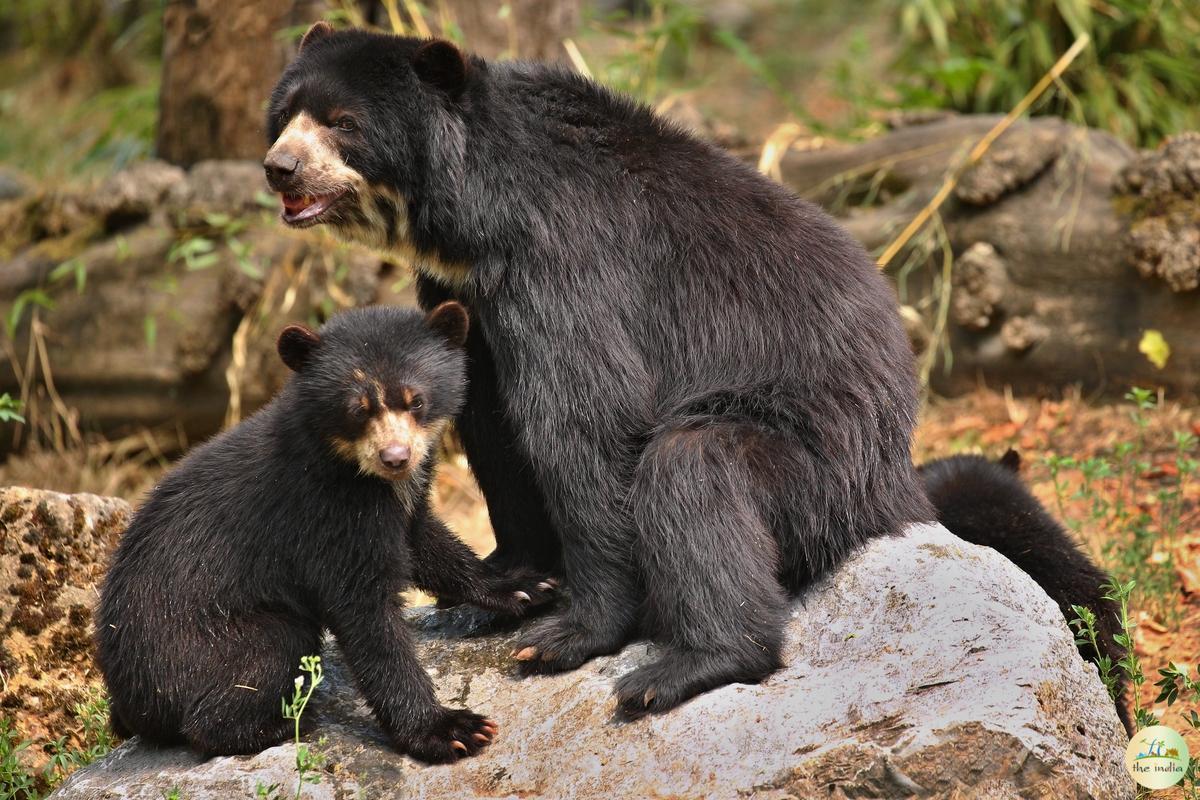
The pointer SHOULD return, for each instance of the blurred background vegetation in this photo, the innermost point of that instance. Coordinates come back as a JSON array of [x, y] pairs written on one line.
[[80, 79]]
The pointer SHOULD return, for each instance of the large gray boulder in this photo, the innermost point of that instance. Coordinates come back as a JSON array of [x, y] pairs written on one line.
[[926, 667]]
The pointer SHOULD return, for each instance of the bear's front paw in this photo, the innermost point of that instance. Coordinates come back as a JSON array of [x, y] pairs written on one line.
[[559, 644], [518, 592], [457, 733]]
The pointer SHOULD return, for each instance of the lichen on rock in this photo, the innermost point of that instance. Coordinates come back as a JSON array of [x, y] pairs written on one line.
[[53, 552], [1165, 233], [979, 279]]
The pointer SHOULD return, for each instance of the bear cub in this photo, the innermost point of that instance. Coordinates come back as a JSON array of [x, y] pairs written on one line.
[[311, 515], [986, 503]]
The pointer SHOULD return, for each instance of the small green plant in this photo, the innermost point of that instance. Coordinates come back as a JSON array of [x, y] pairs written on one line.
[[10, 409], [1084, 625], [1139, 531], [96, 739], [29, 298], [16, 782], [198, 249], [309, 761], [1175, 681]]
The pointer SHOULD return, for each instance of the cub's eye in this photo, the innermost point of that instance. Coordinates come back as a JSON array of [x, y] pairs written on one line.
[[417, 403], [346, 124], [360, 405]]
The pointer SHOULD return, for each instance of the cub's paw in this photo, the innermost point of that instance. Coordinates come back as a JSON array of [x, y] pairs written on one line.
[[457, 733], [559, 645], [518, 592]]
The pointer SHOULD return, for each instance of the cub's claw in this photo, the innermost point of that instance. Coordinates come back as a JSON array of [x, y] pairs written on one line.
[[517, 592], [456, 734]]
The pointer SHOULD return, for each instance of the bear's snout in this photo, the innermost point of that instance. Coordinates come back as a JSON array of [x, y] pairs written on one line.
[[394, 456]]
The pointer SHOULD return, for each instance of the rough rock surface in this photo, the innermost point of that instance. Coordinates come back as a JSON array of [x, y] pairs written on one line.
[[925, 667], [53, 552]]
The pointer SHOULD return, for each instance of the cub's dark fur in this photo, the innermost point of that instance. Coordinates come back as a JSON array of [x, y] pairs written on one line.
[[986, 503], [312, 514], [689, 389]]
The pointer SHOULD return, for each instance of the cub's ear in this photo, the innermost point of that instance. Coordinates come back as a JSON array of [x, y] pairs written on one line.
[[296, 344], [441, 65], [1011, 460], [450, 320], [319, 30]]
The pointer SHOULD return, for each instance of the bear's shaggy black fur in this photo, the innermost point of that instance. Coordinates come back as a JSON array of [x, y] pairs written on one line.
[[312, 514], [986, 503], [688, 386]]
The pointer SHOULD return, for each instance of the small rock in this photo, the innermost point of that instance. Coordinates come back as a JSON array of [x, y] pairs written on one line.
[[220, 187], [1022, 333], [134, 193], [12, 184], [925, 667]]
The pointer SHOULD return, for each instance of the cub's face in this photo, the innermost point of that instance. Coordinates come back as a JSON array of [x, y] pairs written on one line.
[[379, 385], [352, 123]]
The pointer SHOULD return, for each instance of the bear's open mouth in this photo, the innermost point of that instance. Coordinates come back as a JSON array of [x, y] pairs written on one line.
[[306, 209]]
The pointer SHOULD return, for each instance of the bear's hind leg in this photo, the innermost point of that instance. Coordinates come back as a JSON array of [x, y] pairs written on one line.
[[710, 565], [244, 678]]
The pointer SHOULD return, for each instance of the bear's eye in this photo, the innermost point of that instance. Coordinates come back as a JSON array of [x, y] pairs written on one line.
[[360, 405], [346, 124], [417, 403]]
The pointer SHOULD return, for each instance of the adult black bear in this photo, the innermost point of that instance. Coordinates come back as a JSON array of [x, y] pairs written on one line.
[[687, 385], [311, 514], [986, 503]]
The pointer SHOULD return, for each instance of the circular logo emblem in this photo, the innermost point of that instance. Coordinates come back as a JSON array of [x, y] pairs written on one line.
[[1157, 757]]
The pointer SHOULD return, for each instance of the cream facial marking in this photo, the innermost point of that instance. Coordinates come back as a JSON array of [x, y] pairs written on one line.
[[304, 165], [392, 446]]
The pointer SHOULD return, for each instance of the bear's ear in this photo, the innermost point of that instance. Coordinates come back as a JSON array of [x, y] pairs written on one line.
[[441, 65], [319, 30], [1011, 460], [295, 345], [450, 320]]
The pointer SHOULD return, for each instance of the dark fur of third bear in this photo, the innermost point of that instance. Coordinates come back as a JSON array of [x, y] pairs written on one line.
[[986, 503], [689, 388], [312, 514]]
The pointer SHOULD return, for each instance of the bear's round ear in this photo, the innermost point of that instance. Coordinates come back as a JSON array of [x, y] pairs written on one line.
[[319, 30], [296, 344], [451, 321], [441, 65], [1011, 460]]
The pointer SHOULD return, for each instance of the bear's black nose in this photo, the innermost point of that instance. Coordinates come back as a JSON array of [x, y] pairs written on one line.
[[280, 167], [394, 456]]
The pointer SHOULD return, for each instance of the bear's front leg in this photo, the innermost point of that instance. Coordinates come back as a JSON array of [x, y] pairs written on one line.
[[444, 566], [600, 619], [378, 647]]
